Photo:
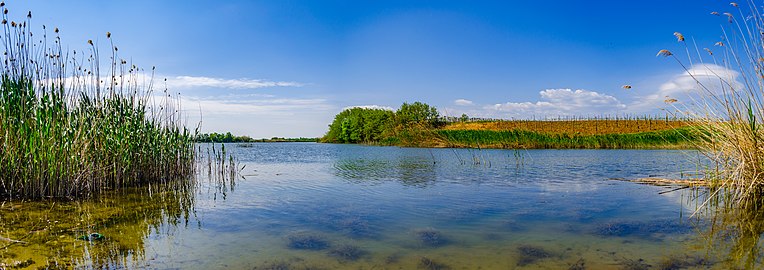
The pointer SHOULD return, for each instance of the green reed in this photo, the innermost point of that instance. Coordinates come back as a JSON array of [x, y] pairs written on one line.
[[516, 139], [67, 129]]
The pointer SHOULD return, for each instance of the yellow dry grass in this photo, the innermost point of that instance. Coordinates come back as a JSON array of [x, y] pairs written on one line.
[[582, 127]]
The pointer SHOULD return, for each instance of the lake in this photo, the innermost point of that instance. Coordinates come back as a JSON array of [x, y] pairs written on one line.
[[327, 206]]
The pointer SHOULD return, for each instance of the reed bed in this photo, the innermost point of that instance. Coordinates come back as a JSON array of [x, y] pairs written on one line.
[[67, 129], [728, 109], [524, 139]]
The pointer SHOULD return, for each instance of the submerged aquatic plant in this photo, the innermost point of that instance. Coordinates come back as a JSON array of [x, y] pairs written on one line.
[[431, 237], [347, 252], [69, 129], [530, 254], [430, 264], [307, 240]]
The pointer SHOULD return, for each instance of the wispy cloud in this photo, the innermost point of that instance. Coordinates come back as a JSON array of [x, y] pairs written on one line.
[[181, 82], [379, 107], [463, 102], [559, 102], [255, 107]]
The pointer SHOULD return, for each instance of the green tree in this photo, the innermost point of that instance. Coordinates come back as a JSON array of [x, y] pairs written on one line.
[[417, 113], [356, 125]]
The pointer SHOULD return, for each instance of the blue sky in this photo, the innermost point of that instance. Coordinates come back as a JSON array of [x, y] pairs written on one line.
[[285, 68]]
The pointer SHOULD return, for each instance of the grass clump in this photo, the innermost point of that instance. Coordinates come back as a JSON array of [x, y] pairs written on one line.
[[67, 129]]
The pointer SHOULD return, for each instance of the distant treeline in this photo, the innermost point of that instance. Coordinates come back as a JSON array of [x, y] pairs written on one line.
[[279, 139], [222, 138], [230, 138]]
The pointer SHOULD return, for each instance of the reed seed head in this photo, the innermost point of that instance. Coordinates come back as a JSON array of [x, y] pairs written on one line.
[[715, 13], [670, 100], [90, 41], [108, 34], [29, 15], [626, 86], [55, 30], [709, 51], [679, 36], [733, 4], [664, 53], [2, 4], [720, 44]]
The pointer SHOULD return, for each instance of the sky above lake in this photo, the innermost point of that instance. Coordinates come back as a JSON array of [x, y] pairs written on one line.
[[285, 68]]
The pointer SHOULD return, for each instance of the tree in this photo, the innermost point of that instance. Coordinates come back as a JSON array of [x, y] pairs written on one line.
[[417, 113], [356, 125]]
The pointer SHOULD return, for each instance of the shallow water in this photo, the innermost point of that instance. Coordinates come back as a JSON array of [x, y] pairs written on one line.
[[324, 206]]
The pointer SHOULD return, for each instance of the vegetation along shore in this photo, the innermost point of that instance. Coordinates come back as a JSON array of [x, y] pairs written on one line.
[[420, 125]]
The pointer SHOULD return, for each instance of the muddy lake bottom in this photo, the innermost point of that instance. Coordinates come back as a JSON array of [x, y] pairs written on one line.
[[325, 206]]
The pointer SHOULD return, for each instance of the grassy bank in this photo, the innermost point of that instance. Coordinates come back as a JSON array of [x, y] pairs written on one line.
[[514, 139], [67, 130]]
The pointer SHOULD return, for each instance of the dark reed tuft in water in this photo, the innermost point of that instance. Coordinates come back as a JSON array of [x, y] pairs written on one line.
[[70, 130]]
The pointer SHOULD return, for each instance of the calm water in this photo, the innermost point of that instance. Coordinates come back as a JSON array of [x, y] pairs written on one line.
[[324, 206]]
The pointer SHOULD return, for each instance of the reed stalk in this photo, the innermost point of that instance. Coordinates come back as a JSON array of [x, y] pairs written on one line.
[[728, 109]]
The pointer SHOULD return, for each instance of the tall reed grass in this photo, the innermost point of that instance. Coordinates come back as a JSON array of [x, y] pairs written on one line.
[[728, 111], [72, 127]]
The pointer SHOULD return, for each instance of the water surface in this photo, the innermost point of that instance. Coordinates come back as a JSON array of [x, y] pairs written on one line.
[[325, 206]]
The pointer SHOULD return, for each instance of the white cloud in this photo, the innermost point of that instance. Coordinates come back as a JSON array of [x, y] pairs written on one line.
[[181, 82], [463, 102], [378, 107], [560, 102], [690, 87]]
